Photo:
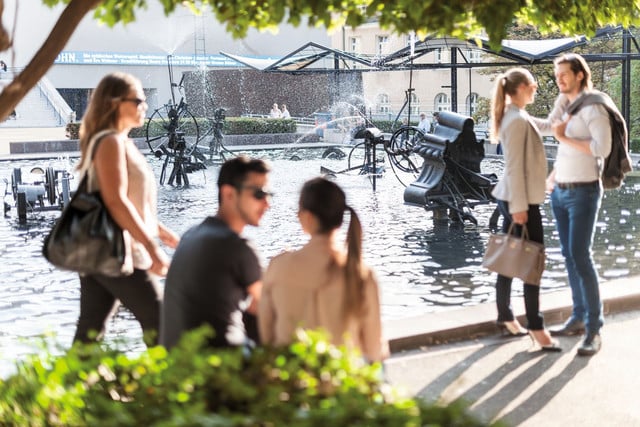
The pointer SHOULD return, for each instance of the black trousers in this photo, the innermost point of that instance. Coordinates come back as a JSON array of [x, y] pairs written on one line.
[[100, 297], [535, 319]]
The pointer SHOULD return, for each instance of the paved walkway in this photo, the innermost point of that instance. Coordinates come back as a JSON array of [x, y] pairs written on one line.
[[9, 135], [508, 379]]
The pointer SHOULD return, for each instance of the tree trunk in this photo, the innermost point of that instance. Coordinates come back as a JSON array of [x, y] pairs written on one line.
[[5, 42], [43, 59]]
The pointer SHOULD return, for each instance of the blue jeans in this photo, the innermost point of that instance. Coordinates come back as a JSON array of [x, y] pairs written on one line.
[[576, 211]]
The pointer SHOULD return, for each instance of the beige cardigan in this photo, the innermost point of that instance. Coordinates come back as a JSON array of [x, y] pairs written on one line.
[[525, 162], [299, 291]]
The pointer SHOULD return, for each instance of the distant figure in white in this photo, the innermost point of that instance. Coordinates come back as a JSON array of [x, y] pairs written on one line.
[[285, 112], [275, 112], [425, 124]]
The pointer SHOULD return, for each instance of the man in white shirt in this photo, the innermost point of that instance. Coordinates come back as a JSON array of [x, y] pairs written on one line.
[[425, 124], [576, 194]]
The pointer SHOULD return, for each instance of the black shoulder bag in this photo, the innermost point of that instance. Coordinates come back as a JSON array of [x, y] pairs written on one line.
[[85, 238]]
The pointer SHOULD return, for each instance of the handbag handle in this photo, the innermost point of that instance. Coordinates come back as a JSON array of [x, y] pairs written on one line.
[[525, 231]]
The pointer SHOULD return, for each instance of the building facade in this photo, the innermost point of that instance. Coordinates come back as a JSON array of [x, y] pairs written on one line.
[[141, 48], [388, 92]]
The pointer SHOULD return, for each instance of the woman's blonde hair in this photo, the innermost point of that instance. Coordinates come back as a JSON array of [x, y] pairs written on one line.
[[506, 84], [102, 111], [327, 202]]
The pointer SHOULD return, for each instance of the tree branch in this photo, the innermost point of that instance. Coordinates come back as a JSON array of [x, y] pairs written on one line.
[[43, 59]]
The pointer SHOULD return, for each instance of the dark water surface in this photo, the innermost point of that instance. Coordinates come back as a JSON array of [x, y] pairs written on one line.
[[421, 267]]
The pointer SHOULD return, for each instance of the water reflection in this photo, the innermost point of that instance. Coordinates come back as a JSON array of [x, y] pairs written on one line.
[[421, 267]]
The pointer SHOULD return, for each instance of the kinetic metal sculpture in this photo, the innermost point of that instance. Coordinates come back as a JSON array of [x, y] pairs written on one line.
[[450, 178]]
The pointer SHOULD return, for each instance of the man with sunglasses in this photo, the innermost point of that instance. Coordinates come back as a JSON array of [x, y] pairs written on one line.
[[215, 275]]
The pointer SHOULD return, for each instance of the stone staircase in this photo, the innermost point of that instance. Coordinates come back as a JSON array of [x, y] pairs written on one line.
[[43, 106], [34, 110]]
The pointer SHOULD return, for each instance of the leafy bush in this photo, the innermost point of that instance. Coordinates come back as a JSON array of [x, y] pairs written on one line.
[[389, 125], [73, 130], [251, 126], [310, 383]]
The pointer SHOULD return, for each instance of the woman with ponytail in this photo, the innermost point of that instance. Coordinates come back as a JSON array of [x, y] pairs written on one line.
[[320, 286], [520, 191]]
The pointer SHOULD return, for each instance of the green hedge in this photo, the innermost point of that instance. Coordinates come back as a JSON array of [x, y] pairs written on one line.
[[310, 383], [389, 125], [232, 126], [251, 126]]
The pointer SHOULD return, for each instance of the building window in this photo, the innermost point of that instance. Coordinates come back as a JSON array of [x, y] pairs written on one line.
[[474, 55], [442, 102], [383, 103], [381, 44], [415, 106], [472, 102], [354, 44]]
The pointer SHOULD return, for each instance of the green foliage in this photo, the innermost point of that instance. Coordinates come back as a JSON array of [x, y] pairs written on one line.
[[309, 383], [72, 130], [613, 89], [457, 18], [252, 126]]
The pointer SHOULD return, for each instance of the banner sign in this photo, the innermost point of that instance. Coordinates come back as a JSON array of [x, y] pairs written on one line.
[[117, 58]]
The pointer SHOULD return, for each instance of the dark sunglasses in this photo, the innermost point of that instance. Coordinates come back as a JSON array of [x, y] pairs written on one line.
[[136, 101], [257, 192]]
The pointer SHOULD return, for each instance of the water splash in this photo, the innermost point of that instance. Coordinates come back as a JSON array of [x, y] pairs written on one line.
[[176, 31]]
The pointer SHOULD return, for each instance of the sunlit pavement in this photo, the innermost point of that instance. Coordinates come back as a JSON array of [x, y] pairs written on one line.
[[509, 379]]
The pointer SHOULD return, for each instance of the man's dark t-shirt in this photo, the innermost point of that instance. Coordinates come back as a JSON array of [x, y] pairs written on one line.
[[207, 284]]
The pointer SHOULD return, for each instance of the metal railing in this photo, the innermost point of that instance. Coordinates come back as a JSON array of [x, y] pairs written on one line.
[[57, 102]]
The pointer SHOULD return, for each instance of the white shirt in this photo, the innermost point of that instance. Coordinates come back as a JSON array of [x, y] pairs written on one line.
[[424, 125], [590, 123]]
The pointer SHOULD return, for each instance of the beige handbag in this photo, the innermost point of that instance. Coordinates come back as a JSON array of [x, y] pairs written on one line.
[[515, 257]]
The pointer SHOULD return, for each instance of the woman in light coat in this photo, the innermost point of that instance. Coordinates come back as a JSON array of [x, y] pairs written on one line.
[[520, 191]]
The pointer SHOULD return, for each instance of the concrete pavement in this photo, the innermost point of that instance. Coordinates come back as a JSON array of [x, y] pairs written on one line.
[[509, 379], [506, 379]]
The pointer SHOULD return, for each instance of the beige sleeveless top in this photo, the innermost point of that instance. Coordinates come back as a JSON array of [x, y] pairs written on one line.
[[141, 191]]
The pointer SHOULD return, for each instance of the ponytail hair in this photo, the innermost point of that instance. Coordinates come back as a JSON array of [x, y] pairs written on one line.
[[506, 84], [327, 202], [354, 300]]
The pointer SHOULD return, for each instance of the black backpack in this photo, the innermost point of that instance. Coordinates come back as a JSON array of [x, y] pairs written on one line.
[[618, 163]]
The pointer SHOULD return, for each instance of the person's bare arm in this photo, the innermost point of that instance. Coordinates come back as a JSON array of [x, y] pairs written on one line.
[[254, 290], [110, 165]]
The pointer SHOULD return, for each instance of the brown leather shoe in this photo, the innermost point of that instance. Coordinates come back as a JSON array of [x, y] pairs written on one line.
[[570, 327]]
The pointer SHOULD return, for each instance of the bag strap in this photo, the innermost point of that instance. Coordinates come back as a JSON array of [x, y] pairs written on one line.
[[93, 146], [525, 231]]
